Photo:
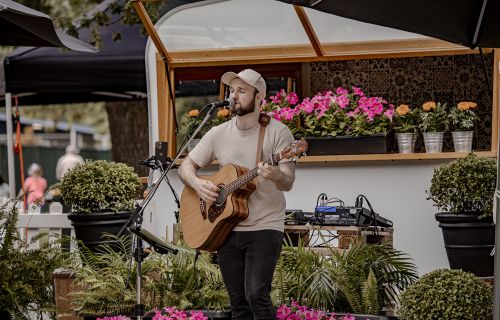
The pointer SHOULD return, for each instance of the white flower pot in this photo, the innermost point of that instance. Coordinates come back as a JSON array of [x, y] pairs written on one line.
[[406, 142], [433, 141], [462, 140]]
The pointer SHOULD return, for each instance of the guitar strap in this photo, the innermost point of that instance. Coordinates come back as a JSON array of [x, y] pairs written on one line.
[[264, 120]]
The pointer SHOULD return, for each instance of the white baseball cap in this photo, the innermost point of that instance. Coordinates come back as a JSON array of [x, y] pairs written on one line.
[[250, 76]]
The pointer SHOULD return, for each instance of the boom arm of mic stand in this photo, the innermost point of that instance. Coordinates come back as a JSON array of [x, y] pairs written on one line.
[[137, 215]]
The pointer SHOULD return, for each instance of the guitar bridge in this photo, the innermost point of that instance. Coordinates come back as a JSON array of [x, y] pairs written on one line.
[[203, 209]]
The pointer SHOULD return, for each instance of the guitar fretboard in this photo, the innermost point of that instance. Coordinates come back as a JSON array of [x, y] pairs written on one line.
[[249, 175]]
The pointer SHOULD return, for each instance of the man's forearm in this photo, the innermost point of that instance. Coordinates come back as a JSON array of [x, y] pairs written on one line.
[[187, 172], [285, 180]]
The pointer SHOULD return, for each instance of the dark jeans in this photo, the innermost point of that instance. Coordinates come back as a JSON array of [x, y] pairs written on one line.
[[247, 261]]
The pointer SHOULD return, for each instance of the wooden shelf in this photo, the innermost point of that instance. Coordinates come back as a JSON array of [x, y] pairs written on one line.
[[360, 158], [391, 157]]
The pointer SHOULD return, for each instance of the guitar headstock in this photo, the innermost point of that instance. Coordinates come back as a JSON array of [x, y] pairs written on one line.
[[297, 149]]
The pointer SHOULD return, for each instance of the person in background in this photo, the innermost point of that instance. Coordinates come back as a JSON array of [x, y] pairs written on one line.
[[68, 161], [35, 185], [4, 188]]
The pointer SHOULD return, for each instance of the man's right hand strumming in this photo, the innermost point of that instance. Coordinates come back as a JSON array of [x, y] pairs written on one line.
[[205, 189]]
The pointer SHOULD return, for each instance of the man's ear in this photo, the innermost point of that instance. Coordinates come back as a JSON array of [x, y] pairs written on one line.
[[259, 96]]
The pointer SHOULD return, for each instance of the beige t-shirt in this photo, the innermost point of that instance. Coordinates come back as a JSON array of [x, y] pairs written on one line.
[[228, 144]]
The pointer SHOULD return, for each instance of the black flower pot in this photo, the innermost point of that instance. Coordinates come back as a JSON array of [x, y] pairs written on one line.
[[91, 228], [468, 242], [379, 143]]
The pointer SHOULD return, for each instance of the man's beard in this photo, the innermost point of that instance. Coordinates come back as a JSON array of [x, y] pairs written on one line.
[[242, 110]]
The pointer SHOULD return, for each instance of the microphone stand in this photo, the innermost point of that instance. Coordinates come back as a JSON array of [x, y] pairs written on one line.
[[137, 217]]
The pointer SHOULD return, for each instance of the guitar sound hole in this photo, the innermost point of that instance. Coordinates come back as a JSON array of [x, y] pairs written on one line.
[[221, 198]]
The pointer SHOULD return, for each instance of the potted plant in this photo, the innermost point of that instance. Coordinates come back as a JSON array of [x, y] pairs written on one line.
[[447, 295], [361, 280], [340, 122], [434, 123], [463, 119], [464, 190], [406, 121], [100, 196]]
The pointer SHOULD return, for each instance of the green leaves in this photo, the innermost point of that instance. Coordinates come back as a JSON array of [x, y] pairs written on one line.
[[447, 295], [367, 276], [98, 186], [25, 272], [168, 280], [466, 185], [435, 120]]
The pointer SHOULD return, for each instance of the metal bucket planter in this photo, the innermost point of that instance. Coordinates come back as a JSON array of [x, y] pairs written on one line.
[[462, 141], [433, 141], [406, 142]]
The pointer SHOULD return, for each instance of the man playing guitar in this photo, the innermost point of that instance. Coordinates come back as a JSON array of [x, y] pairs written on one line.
[[249, 255]]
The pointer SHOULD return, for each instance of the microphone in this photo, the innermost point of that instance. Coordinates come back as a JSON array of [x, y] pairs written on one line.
[[229, 102]]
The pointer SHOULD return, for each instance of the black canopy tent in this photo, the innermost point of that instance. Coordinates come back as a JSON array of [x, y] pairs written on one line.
[[470, 23], [50, 75], [116, 73], [21, 25]]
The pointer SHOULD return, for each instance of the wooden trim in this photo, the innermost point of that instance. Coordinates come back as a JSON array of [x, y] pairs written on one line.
[[383, 157], [170, 119], [148, 24], [289, 84], [308, 28], [162, 93], [392, 157], [392, 46], [305, 53], [495, 102]]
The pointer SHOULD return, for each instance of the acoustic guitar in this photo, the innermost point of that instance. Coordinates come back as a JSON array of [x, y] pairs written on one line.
[[206, 226]]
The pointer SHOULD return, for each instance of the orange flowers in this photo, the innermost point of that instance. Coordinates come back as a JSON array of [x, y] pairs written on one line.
[[466, 105], [402, 109], [223, 113], [428, 106], [194, 113]]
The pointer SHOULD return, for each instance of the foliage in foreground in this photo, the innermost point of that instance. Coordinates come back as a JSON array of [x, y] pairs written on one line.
[[169, 280], [26, 290], [360, 280]]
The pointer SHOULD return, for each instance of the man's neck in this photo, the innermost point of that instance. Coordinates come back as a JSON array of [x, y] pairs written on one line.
[[248, 121]]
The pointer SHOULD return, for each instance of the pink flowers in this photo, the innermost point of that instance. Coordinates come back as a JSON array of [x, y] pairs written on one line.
[[343, 112], [167, 314], [298, 312], [174, 314]]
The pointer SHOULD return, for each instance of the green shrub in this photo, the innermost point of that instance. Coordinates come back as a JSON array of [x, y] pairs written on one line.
[[98, 186], [466, 185], [447, 295]]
